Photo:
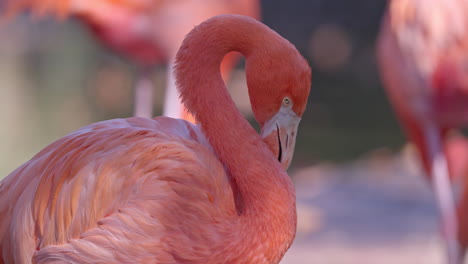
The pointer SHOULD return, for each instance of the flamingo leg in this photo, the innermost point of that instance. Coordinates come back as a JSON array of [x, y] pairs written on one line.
[[462, 218], [443, 192], [172, 105], [143, 103]]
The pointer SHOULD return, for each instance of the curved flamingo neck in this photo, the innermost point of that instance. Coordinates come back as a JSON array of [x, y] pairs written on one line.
[[266, 199]]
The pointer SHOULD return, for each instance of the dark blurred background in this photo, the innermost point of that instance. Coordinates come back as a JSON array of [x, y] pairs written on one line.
[[348, 113]]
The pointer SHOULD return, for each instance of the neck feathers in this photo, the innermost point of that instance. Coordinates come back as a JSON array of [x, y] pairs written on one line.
[[265, 190]]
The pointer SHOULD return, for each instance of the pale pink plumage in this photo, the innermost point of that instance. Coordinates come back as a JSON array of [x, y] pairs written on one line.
[[113, 184], [422, 52], [162, 190]]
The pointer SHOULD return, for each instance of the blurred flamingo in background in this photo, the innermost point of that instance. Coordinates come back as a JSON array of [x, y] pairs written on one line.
[[423, 57], [146, 31], [163, 190]]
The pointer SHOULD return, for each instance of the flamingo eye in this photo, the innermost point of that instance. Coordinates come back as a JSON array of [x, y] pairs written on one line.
[[286, 101]]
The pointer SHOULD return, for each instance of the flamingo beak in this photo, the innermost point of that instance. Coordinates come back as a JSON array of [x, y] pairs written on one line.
[[279, 133]]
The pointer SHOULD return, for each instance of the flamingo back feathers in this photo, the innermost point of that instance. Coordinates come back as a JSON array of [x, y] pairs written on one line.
[[97, 190]]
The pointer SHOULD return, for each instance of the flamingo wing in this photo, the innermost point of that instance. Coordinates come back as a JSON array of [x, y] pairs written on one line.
[[417, 39], [125, 190]]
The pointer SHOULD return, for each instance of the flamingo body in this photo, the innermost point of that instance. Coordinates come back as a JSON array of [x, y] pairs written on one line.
[[163, 190], [422, 52], [421, 47], [103, 187]]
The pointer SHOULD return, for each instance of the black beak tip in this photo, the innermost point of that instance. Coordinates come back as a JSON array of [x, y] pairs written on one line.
[[280, 149]]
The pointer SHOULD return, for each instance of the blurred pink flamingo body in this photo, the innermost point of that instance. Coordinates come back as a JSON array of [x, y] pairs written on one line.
[[146, 31], [163, 190], [422, 53]]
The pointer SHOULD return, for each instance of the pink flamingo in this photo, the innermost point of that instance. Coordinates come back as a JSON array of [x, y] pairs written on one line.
[[164, 190], [422, 52], [147, 32]]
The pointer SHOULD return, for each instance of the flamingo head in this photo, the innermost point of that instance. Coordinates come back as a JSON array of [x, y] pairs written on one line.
[[279, 85]]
